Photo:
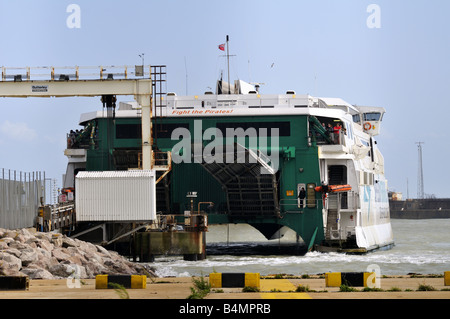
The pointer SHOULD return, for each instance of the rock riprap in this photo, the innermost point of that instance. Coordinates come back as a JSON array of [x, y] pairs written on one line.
[[55, 256]]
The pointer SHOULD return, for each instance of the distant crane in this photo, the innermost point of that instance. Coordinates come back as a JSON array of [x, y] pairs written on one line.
[[420, 186]]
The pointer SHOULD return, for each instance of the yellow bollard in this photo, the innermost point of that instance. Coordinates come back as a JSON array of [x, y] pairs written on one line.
[[215, 280], [252, 280], [333, 279], [447, 278]]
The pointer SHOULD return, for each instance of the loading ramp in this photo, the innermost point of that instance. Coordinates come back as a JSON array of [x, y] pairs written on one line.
[[250, 183]]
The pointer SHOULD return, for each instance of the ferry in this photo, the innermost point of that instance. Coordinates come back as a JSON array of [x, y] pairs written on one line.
[[273, 161]]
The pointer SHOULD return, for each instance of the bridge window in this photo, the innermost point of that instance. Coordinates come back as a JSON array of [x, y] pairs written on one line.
[[372, 116]]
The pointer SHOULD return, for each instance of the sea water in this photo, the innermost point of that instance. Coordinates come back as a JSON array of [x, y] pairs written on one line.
[[421, 246]]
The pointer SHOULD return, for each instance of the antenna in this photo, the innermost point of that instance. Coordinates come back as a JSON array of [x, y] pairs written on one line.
[[185, 66], [407, 188], [420, 187], [142, 57], [228, 63]]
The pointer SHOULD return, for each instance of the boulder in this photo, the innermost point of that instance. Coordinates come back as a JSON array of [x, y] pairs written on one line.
[[10, 234], [43, 236], [7, 240], [94, 268], [13, 251], [102, 250], [46, 245], [10, 262], [37, 273], [68, 271], [3, 245], [49, 256], [18, 245], [59, 254], [69, 242], [28, 256], [26, 232], [44, 263]]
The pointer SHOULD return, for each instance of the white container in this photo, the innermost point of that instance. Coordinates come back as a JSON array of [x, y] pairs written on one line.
[[115, 196]]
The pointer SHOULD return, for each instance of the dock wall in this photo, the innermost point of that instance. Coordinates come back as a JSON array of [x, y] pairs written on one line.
[[427, 208], [20, 195], [420, 214]]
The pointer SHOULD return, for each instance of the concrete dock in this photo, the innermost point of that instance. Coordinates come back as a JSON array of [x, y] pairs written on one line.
[[396, 287]]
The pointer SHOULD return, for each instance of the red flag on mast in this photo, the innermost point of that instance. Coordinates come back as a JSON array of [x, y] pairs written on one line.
[[222, 46]]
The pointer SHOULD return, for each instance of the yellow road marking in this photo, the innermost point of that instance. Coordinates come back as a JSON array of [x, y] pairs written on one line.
[[285, 295], [277, 285], [282, 289]]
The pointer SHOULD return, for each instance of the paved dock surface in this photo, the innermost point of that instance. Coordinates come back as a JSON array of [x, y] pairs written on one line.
[[180, 288]]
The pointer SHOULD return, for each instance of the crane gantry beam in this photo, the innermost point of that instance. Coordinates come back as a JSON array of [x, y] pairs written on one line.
[[55, 88]]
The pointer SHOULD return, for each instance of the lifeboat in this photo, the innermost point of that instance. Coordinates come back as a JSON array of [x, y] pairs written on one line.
[[333, 188]]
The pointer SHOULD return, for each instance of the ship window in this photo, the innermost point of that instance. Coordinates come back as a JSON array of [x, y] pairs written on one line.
[[166, 130], [284, 128], [368, 178], [134, 131], [372, 116], [337, 175], [357, 118], [127, 131], [349, 130]]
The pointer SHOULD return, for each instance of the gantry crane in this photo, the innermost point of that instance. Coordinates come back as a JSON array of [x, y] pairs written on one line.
[[104, 81]]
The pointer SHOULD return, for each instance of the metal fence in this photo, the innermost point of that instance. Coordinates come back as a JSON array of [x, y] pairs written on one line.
[[20, 196]]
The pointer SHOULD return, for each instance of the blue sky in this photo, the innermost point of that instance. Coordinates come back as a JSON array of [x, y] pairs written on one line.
[[323, 48]]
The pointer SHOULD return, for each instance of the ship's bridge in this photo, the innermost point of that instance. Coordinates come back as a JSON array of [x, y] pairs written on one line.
[[369, 117]]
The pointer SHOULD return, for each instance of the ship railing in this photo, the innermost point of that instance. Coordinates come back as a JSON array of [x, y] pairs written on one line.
[[209, 101], [290, 204], [56, 216], [197, 221], [336, 139], [63, 215], [349, 201], [69, 73], [162, 160], [84, 143], [344, 201]]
